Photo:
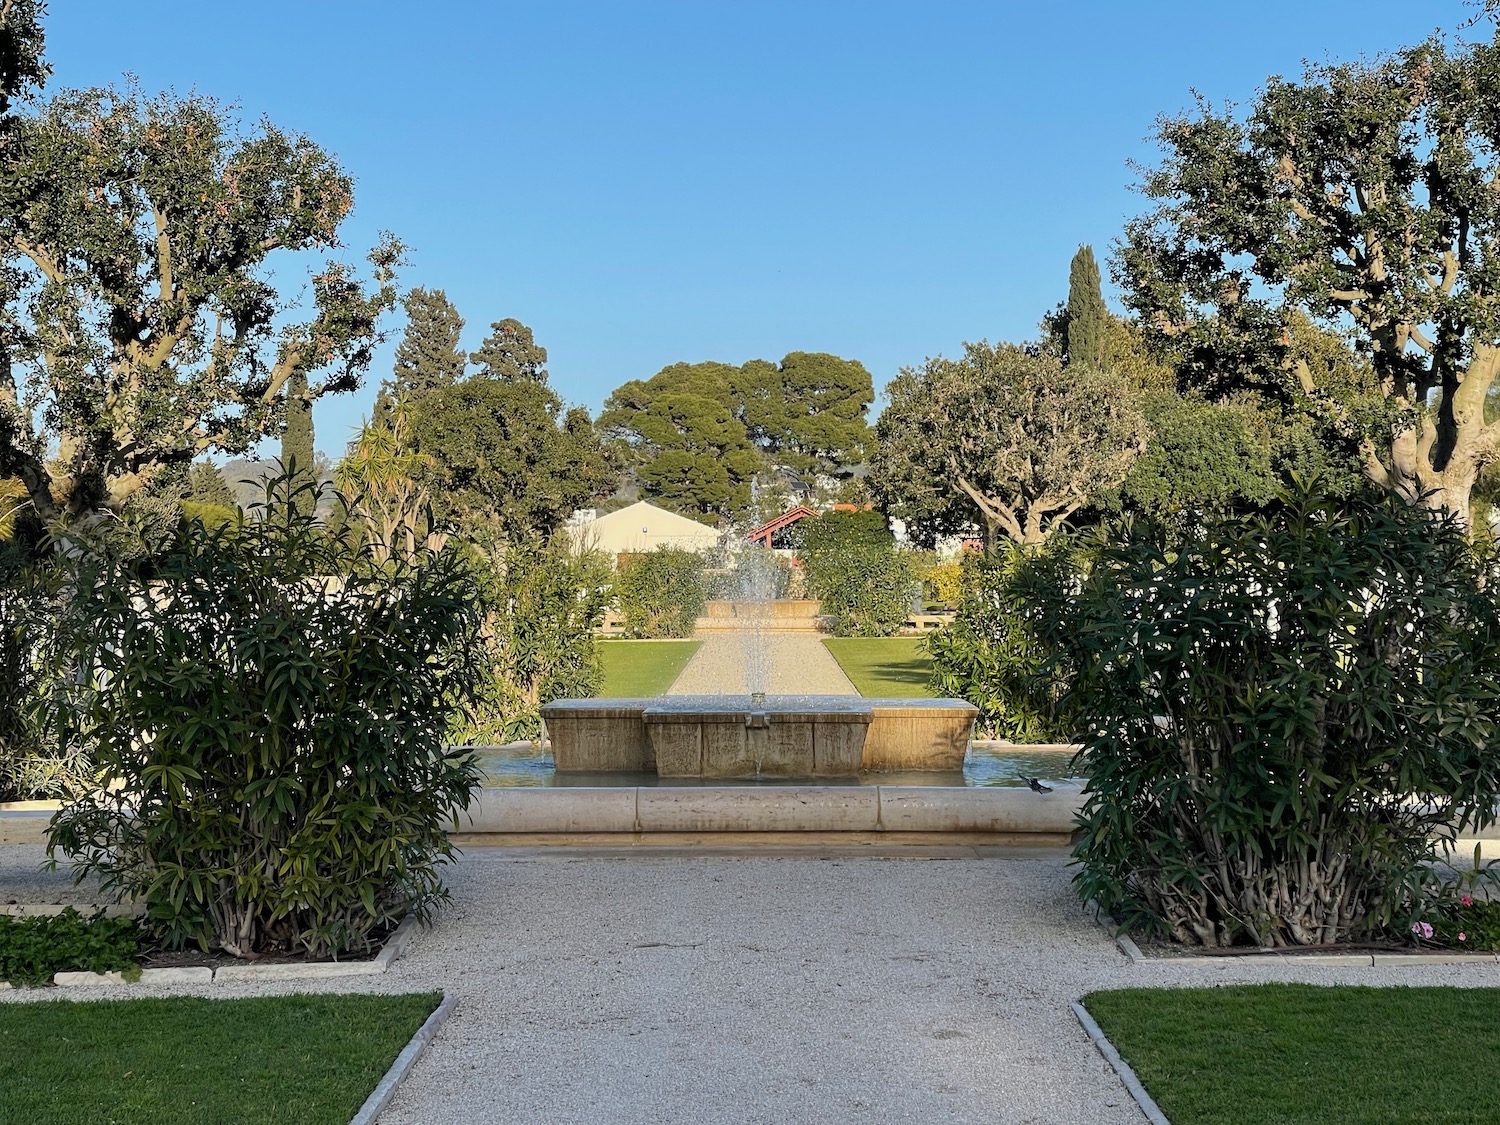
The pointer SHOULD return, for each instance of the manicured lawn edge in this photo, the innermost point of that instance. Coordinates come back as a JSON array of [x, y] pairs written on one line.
[[309, 1058], [882, 667], [635, 668], [380, 1096], [1121, 1067]]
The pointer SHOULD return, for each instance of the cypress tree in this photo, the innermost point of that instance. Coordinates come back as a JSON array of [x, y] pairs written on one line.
[[509, 352], [1087, 314], [427, 356], [297, 443]]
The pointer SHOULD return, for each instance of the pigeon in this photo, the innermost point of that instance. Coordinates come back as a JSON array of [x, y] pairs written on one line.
[[1036, 785]]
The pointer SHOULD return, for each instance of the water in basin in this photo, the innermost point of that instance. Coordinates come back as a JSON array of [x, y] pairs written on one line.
[[524, 765]]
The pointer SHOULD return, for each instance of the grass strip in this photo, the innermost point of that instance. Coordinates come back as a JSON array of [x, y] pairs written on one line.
[[287, 1060], [642, 668], [889, 667], [1291, 1054]]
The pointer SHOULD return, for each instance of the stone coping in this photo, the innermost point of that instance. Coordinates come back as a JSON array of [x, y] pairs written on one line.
[[773, 704], [636, 810]]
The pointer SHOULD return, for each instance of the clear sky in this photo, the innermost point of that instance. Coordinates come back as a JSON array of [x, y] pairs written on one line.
[[644, 183]]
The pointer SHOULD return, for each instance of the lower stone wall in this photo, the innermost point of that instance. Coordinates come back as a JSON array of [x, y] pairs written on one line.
[[769, 809]]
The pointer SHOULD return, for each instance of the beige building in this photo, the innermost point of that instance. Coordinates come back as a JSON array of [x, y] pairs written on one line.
[[641, 527]]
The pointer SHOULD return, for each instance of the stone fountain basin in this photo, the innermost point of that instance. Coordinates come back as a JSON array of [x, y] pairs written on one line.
[[740, 736]]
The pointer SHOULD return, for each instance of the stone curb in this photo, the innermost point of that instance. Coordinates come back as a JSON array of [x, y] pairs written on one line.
[[394, 947], [380, 1096], [1359, 960], [1144, 1100]]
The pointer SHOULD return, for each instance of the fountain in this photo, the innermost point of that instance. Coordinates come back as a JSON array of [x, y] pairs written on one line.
[[755, 734]]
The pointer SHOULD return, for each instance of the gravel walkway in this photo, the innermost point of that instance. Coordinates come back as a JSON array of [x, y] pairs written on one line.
[[661, 989], [797, 664]]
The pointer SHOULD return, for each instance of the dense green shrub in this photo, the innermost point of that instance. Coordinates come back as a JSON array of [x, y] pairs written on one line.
[[660, 593], [541, 604], [991, 653], [33, 949], [1283, 715], [865, 582], [267, 709], [34, 765]]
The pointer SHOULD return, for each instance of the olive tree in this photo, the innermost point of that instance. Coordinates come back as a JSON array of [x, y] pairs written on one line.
[[144, 328], [1011, 439], [1362, 195]]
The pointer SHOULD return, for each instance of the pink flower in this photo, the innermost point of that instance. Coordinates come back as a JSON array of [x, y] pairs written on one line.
[[1467, 901], [1462, 936], [1423, 928]]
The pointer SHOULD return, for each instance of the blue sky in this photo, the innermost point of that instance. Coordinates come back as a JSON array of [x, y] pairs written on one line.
[[644, 183]]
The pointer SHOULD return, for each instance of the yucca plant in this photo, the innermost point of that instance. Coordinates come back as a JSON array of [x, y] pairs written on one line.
[[1285, 714], [266, 707]]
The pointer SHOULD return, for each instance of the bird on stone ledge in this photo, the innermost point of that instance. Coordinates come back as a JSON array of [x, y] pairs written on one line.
[[1036, 785]]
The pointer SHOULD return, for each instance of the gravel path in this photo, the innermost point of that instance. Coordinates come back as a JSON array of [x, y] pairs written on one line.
[[797, 664], [662, 989]]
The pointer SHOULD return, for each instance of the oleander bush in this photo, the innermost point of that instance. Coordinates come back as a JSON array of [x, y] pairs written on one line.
[[866, 583], [34, 764], [267, 707], [992, 653], [660, 593], [33, 949], [540, 604], [1283, 714]]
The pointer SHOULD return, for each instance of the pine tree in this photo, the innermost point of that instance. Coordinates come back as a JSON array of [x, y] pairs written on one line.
[[1087, 315], [206, 485], [427, 357], [510, 353], [297, 457]]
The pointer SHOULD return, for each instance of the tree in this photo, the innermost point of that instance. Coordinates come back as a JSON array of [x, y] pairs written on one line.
[[22, 68], [137, 237], [1087, 315], [297, 453], [1362, 196], [804, 418], [206, 485], [510, 353], [808, 413], [1003, 437], [689, 449], [428, 356], [506, 459], [381, 481], [1203, 459]]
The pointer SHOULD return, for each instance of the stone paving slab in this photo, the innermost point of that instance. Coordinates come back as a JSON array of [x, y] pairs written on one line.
[[797, 664]]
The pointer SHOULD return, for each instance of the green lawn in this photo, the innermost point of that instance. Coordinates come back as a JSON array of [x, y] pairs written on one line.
[[637, 668], [1283, 1054], [883, 666], [287, 1060]]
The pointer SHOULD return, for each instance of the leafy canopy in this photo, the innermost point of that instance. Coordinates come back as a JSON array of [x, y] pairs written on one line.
[[1362, 195], [1003, 437], [144, 329]]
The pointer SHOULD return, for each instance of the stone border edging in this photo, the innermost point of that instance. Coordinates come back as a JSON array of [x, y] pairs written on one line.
[[1122, 1068], [1358, 960], [394, 947], [380, 1096]]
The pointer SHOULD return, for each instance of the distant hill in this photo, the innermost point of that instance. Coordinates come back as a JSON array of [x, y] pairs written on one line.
[[247, 478]]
